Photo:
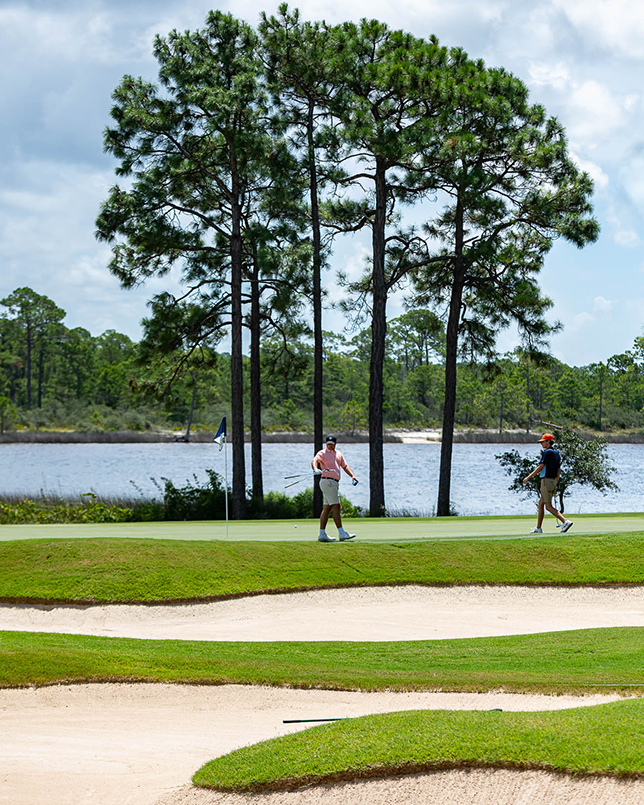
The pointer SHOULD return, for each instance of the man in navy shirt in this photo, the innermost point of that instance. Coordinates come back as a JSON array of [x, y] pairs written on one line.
[[548, 470]]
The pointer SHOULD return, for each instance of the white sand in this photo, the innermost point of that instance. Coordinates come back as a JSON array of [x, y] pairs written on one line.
[[457, 787], [140, 744], [374, 613], [130, 744]]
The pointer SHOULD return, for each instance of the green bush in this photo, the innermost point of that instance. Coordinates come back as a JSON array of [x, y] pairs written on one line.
[[194, 502], [189, 502]]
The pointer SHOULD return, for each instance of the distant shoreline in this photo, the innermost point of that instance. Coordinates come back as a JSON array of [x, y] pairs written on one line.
[[398, 435]]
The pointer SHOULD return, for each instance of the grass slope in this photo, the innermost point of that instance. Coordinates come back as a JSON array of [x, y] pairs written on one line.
[[560, 662], [117, 570], [605, 739]]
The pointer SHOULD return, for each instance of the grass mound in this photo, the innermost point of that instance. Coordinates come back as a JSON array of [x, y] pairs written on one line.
[[605, 739], [559, 662], [142, 570]]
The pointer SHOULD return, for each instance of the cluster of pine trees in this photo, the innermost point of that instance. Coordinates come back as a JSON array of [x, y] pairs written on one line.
[[259, 148]]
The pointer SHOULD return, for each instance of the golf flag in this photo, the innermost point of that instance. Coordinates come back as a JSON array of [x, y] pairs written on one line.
[[220, 438]]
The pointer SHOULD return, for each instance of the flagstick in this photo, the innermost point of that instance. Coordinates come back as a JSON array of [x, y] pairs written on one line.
[[226, 474]]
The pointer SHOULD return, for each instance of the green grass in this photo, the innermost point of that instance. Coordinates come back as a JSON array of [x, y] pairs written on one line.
[[559, 662], [606, 739], [118, 570], [379, 529]]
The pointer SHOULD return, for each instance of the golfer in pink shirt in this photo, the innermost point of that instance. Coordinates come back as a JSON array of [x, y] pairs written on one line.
[[327, 463]]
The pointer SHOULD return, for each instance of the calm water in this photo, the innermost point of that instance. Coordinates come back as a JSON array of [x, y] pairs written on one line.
[[479, 485]]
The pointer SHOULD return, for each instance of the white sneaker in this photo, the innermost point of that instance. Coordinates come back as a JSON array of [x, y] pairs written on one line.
[[344, 535], [566, 526], [324, 537], [537, 531]]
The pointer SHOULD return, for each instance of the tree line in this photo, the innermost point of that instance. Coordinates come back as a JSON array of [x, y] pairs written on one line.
[[259, 148], [55, 376]]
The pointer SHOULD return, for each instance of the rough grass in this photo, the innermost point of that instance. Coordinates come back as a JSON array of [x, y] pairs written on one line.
[[140, 570], [560, 662], [605, 739]]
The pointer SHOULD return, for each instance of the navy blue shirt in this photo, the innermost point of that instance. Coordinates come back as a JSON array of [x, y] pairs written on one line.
[[552, 461]]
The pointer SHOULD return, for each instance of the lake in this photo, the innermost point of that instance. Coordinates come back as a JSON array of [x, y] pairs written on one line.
[[479, 485]]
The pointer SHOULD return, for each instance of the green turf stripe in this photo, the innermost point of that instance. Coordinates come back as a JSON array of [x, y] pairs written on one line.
[[116, 570], [395, 529], [559, 662], [605, 739]]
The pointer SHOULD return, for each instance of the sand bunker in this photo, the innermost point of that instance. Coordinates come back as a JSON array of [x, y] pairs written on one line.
[[459, 787], [375, 613], [140, 744], [132, 744]]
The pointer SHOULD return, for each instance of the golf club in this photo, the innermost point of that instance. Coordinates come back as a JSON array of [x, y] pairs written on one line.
[[295, 482]]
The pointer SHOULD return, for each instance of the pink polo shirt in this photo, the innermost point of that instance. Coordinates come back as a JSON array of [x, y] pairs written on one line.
[[330, 461]]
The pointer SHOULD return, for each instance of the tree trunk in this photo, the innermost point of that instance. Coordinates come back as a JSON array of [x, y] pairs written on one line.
[[236, 362], [256, 388], [318, 379], [451, 354], [28, 366], [501, 416], [192, 408], [527, 393], [41, 357], [378, 332]]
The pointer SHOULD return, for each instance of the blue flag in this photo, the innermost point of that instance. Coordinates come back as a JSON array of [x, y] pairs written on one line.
[[220, 438]]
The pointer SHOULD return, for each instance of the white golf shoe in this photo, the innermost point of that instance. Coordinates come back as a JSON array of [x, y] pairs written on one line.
[[566, 526], [344, 535], [324, 537], [537, 531]]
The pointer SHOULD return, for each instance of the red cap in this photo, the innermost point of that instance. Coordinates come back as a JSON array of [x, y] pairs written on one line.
[[547, 437]]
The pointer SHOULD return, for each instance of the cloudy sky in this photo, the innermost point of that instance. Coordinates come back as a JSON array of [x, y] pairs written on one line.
[[60, 61]]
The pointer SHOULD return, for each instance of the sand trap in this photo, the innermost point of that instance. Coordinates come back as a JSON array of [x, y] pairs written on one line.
[[133, 744], [462, 787], [375, 613], [140, 744]]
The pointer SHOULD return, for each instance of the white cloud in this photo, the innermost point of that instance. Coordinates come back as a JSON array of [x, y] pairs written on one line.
[[616, 25], [581, 320], [602, 305], [632, 176], [548, 74], [594, 112], [627, 238], [595, 172], [47, 243], [61, 36]]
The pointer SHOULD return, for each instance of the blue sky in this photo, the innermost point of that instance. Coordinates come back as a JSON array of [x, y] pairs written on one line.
[[60, 61]]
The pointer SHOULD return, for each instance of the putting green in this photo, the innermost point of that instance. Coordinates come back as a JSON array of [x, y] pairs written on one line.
[[391, 529]]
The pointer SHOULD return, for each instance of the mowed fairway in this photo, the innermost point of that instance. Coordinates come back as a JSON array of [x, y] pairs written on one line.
[[391, 529]]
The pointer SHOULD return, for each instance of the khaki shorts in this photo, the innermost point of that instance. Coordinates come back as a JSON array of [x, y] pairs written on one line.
[[330, 491], [548, 488]]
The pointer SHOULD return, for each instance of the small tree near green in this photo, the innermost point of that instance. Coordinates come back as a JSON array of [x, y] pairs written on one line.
[[7, 413], [584, 462]]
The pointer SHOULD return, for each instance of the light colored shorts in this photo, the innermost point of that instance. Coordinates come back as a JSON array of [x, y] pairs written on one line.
[[548, 488], [330, 491]]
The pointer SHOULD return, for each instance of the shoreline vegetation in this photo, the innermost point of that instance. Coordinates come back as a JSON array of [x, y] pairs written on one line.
[[397, 436]]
